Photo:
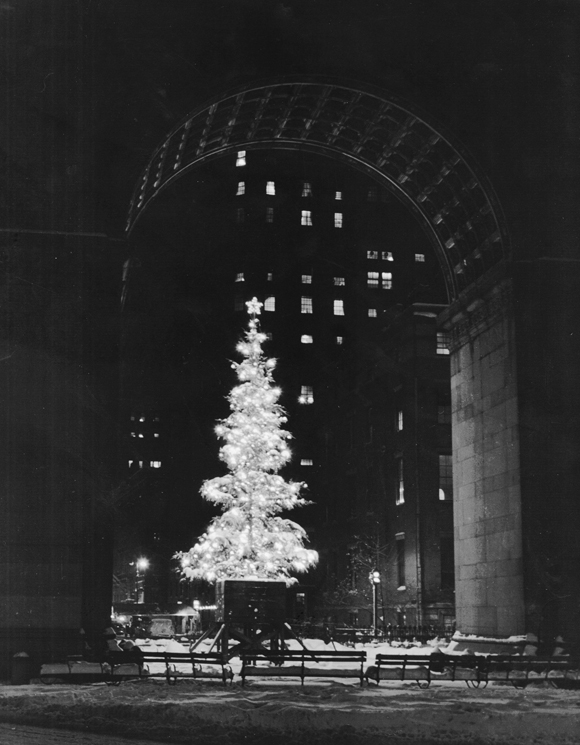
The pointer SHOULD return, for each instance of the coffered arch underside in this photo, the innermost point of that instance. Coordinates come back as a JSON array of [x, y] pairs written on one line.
[[397, 147]]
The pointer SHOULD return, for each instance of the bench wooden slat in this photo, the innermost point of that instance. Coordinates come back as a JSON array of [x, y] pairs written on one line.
[[169, 661], [285, 664]]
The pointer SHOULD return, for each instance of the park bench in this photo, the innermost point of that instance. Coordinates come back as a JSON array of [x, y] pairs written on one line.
[[120, 666], [75, 670], [526, 669], [302, 663], [171, 666], [475, 670]]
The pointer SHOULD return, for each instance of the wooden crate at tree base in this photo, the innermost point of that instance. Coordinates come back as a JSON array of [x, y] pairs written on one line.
[[250, 602]]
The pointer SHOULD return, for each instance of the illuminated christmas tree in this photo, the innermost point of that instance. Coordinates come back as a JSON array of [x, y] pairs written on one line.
[[249, 541]]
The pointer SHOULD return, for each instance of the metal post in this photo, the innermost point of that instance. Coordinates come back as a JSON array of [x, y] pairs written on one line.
[[375, 580]]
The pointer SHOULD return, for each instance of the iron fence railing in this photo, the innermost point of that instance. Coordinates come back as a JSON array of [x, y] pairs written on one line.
[[351, 635]]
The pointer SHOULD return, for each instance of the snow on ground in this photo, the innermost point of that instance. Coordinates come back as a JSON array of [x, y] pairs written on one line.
[[171, 645], [330, 712]]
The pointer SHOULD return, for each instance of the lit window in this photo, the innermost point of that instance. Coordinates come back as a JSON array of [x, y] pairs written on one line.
[[270, 303], [338, 219], [270, 188], [269, 214], [240, 215], [338, 195], [269, 277], [141, 435], [399, 421], [306, 218], [306, 394], [133, 434], [372, 313], [387, 280], [240, 277], [305, 304], [306, 462], [307, 279], [140, 464], [239, 303], [339, 307], [241, 188], [338, 281], [442, 343], [372, 279], [126, 267], [400, 483], [156, 434], [372, 194], [155, 464], [241, 158], [420, 258], [306, 339], [386, 256], [131, 463], [141, 418], [339, 339], [445, 478], [372, 254], [306, 189]]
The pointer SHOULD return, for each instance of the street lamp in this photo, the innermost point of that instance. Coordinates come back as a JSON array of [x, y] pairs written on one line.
[[141, 566], [375, 580]]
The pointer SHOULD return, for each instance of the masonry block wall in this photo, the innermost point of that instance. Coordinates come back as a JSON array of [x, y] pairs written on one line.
[[487, 507], [57, 373], [547, 314]]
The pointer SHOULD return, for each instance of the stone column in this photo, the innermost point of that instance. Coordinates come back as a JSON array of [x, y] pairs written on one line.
[[486, 469]]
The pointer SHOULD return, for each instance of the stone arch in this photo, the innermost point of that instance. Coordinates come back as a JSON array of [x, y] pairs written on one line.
[[371, 131], [500, 510]]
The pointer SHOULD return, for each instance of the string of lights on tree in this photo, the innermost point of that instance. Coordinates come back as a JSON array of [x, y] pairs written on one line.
[[249, 540]]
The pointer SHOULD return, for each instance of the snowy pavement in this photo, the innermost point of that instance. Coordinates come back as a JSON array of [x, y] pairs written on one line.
[[330, 712], [22, 734]]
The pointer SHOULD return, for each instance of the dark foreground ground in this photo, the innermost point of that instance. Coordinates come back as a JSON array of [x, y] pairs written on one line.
[[261, 713]]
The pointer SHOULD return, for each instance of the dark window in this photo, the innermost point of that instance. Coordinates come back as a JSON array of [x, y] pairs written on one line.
[[401, 561], [447, 562], [445, 478]]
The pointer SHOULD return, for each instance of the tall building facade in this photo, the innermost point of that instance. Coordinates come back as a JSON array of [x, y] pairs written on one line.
[[344, 272]]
